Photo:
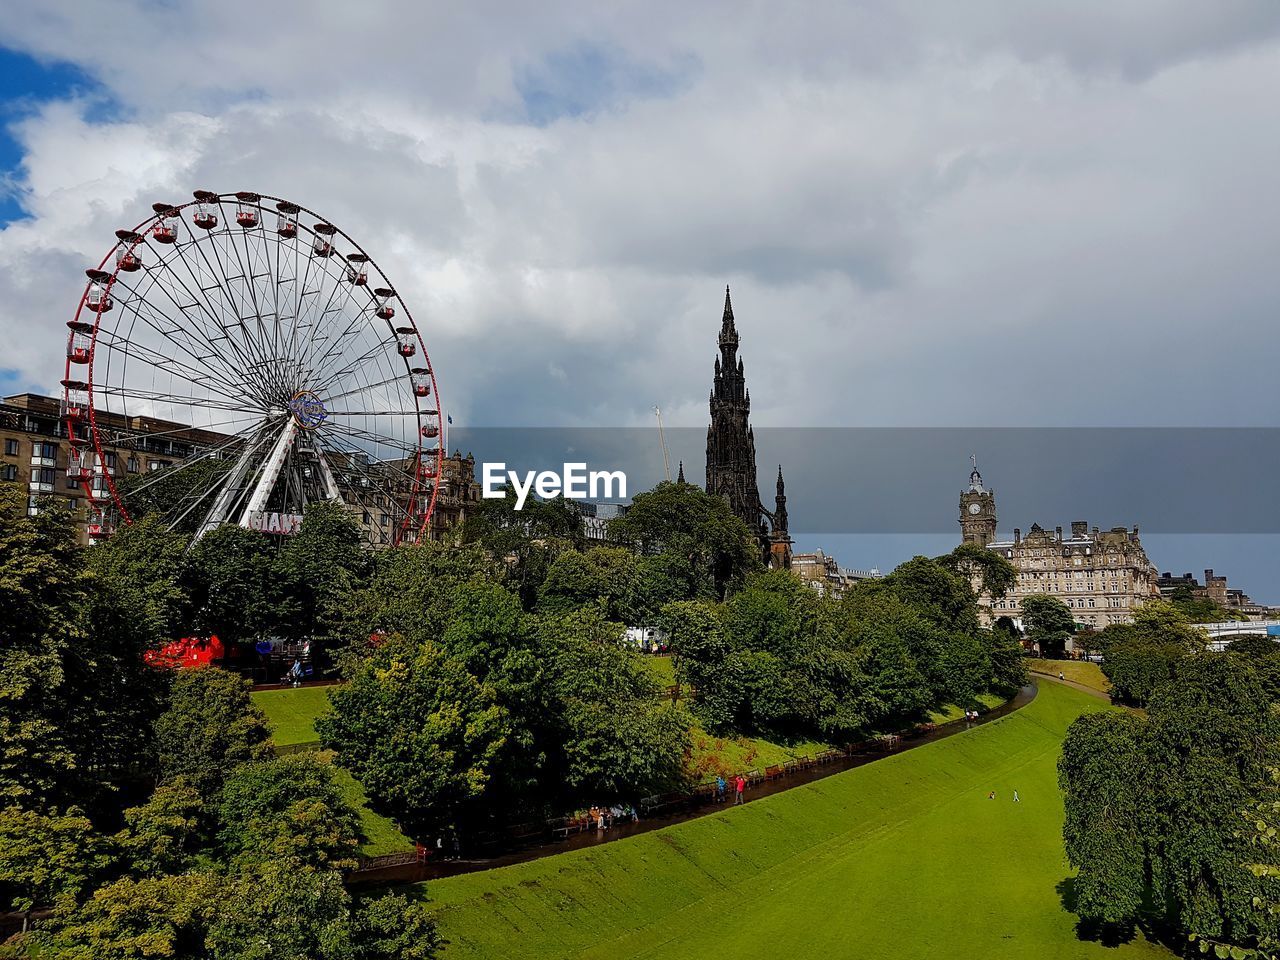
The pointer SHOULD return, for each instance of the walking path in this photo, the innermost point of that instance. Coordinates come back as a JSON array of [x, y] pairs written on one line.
[[415, 872], [1073, 685]]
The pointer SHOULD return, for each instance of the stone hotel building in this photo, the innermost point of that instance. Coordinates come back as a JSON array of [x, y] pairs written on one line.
[[1101, 575]]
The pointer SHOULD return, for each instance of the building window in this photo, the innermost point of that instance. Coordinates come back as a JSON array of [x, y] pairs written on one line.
[[10, 447], [8, 472], [132, 465]]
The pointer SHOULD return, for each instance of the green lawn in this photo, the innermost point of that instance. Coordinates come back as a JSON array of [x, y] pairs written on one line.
[[903, 858], [662, 668], [292, 712], [1079, 671], [381, 836]]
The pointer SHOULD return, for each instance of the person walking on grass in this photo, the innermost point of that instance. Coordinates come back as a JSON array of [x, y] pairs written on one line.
[[1015, 797], [740, 784]]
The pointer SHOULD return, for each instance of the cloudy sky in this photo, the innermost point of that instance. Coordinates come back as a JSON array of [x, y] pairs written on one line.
[[931, 214]]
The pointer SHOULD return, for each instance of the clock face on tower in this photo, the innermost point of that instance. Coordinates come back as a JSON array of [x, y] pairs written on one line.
[[975, 508]]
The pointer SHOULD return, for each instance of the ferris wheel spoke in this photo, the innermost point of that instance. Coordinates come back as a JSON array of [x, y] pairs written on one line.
[[135, 349], [339, 377], [211, 452], [229, 311], [330, 397], [174, 398], [405, 446], [215, 313], [258, 259], [176, 334], [124, 437], [340, 339], [196, 317], [251, 326], [391, 470]]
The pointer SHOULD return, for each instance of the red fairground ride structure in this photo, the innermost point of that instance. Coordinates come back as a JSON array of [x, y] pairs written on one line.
[[258, 356]]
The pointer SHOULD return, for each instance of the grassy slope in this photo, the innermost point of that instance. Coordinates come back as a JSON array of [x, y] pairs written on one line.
[[292, 712], [905, 858], [381, 835], [1079, 671], [953, 712]]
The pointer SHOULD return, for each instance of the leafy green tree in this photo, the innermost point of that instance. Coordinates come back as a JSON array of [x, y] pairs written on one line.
[[608, 577], [209, 727], [287, 810], [409, 591], [132, 919], [1008, 662], [393, 927], [1141, 656], [897, 691], [40, 591], [230, 577], [626, 749], [712, 550], [990, 574], [486, 627], [931, 589], [697, 637], [134, 583], [525, 541], [1153, 809], [1048, 623], [419, 731], [318, 567], [163, 835], [277, 912], [1201, 609], [48, 859], [1109, 814]]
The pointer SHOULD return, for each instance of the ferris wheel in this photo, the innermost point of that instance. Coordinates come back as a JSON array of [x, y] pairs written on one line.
[[236, 358]]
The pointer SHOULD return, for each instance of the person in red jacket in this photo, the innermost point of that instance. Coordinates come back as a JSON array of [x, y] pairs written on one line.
[[739, 785]]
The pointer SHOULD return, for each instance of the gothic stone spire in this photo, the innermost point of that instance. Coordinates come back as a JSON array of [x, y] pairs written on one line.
[[731, 452]]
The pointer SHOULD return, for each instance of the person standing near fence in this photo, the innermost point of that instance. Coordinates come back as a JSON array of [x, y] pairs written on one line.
[[720, 788], [740, 785]]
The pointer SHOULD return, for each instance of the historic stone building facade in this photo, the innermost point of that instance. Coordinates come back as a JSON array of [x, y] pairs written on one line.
[[1103, 576], [825, 575], [731, 450]]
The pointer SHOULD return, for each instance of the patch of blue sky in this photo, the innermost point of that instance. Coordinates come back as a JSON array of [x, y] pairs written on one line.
[[587, 78], [25, 83]]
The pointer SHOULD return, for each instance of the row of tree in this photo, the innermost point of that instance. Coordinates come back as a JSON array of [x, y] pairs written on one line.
[[144, 808], [1171, 814]]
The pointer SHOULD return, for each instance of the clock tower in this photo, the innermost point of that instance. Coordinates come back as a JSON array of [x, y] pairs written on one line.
[[977, 510]]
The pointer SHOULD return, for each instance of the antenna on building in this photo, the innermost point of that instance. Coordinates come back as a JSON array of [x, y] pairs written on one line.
[[662, 439]]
